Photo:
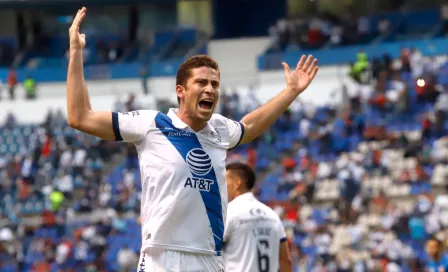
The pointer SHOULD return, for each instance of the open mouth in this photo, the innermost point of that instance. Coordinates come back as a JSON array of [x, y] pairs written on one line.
[[206, 104]]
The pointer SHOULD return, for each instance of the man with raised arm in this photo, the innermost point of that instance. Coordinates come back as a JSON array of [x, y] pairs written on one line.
[[182, 155]]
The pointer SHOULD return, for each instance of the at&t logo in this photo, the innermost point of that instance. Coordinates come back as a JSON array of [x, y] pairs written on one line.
[[200, 164]]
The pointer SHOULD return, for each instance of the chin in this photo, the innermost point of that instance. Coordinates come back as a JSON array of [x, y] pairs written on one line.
[[205, 115]]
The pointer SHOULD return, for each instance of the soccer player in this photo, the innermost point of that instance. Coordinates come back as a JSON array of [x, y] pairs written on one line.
[[254, 236], [182, 155]]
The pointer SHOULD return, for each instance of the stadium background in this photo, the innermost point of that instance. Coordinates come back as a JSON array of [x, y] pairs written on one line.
[[357, 168]]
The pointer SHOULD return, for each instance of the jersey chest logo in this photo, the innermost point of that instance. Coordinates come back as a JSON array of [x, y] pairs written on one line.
[[199, 162]]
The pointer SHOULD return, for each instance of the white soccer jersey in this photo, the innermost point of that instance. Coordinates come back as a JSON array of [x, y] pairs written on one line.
[[184, 193], [252, 236]]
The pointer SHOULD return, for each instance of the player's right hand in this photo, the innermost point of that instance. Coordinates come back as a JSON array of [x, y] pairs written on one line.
[[77, 40]]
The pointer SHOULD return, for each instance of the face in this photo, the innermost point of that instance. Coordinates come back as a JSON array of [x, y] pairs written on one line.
[[431, 247], [232, 185], [201, 94]]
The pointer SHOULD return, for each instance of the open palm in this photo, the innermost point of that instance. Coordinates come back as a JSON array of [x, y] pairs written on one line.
[[77, 40], [301, 77]]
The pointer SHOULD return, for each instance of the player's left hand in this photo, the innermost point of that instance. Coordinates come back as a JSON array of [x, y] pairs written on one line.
[[299, 79]]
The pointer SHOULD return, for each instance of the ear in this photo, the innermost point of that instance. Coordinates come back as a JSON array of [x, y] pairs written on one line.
[[239, 184], [180, 92]]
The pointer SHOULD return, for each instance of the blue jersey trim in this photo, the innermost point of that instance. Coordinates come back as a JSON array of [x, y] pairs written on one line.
[[283, 240], [241, 137], [116, 126], [200, 167]]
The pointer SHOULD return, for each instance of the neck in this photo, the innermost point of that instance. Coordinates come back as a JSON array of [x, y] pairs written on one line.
[[241, 193], [237, 194], [193, 123]]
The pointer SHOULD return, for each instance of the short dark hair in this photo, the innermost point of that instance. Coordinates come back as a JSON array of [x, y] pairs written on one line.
[[437, 240], [244, 172], [184, 72]]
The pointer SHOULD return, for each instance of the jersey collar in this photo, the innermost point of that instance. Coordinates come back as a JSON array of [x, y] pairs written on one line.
[[245, 196], [178, 123]]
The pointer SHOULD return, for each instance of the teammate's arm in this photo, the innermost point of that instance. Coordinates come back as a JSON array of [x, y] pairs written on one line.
[[285, 257], [79, 111], [285, 262], [257, 121]]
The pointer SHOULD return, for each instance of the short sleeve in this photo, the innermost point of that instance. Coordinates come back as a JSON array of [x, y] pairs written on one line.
[[234, 129], [236, 132], [132, 126], [281, 231]]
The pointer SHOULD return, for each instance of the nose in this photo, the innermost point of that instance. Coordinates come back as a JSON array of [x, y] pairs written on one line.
[[209, 89]]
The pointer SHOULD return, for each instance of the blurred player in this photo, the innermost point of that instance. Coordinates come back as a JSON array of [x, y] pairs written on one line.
[[254, 237], [438, 259], [182, 155]]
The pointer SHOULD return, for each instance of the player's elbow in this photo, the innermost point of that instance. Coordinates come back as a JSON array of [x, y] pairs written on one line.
[[73, 117], [73, 122], [76, 120]]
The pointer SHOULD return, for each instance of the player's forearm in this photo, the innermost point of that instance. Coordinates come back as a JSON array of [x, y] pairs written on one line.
[[256, 122], [78, 102], [285, 266], [86, 95]]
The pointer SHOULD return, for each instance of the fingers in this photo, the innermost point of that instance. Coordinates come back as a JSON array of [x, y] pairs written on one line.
[[300, 63], [286, 67], [79, 17], [314, 72], [311, 67], [307, 63]]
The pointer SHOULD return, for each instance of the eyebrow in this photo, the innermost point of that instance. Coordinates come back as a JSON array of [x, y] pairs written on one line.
[[201, 79]]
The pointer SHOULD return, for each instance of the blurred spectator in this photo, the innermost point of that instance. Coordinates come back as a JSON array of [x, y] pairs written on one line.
[[359, 69], [252, 99], [127, 259], [438, 258], [444, 17], [284, 122], [30, 88], [290, 176], [12, 82], [10, 121], [383, 26], [144, 76], [131, 104], [363, 27]]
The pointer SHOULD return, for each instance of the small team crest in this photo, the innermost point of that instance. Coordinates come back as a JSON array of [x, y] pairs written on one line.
[[257, 212], [215, 136]]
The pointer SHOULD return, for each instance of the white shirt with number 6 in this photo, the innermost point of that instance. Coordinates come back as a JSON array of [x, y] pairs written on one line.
[[252, 236]]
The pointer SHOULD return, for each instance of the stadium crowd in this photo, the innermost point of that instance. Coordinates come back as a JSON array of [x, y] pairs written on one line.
[[382, 162], [325, 29], [359, 191]]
